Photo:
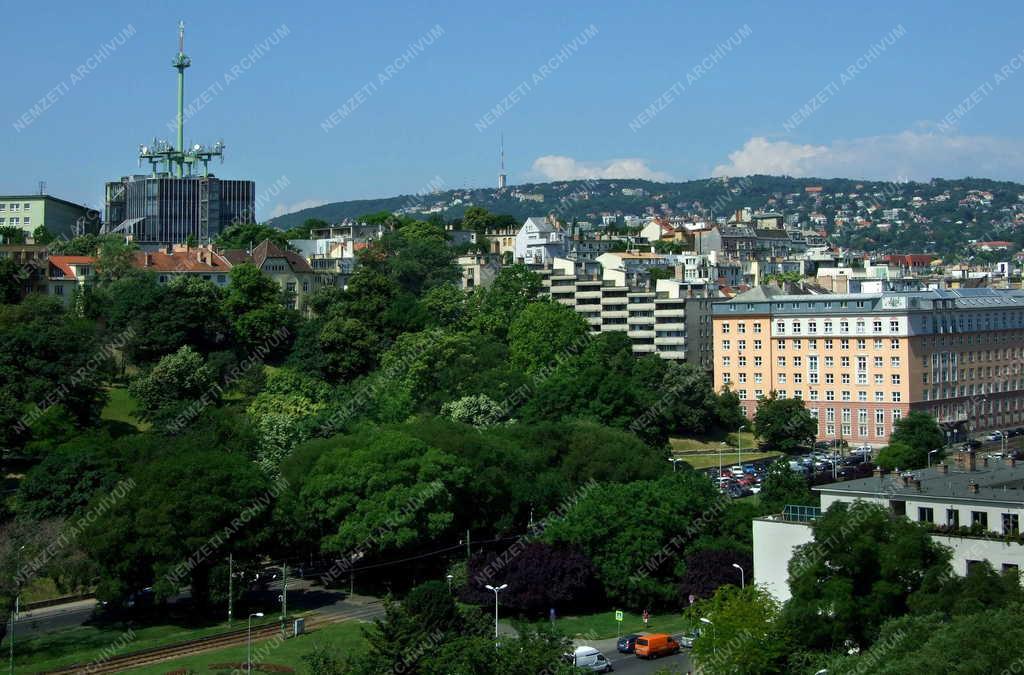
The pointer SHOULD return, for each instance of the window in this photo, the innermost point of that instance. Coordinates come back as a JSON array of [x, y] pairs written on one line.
[[726, 344], [979, 518], [896, 378], [879, 362], [894, 344], [781, 361], [726, 361], [742, 361], [953, 517], [741, 344], [26, 220], [741, 327], [757, 344], [14, 207], [862, 344], [725, 327], [758, 361], [27, 206], [896, 398], [894, 326], [814, 394], [925, 514], [757, 328], [1011, 524], [59, 290], [876, 326], [828, 344]]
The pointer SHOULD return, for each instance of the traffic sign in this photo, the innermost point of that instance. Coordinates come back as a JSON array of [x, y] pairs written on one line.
[[618, 615]]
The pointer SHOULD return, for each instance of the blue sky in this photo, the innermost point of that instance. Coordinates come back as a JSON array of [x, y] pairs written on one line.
[[885, 90]]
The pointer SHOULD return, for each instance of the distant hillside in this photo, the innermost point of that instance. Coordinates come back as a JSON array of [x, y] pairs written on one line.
[[940, 216]]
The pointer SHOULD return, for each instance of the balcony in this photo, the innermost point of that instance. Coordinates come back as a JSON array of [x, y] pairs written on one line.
[[644, 349], [640, 333], [674, 340]]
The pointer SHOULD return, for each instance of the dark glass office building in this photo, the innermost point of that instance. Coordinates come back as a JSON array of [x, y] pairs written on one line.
[[167, 210]]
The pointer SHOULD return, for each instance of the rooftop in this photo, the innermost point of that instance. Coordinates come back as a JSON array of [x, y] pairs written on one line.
[[995, 480]]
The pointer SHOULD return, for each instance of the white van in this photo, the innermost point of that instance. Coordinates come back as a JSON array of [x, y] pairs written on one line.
[[589, 658]]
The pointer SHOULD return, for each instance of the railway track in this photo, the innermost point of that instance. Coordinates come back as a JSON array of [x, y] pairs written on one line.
[[146, 657]]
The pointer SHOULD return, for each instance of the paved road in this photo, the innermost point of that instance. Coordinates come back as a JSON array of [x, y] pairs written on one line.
[[50, 619], [628, 663]]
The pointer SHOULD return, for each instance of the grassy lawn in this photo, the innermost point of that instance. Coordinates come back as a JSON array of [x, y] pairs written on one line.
[[121, 408], [603, 625], [682, 445], [85, 643], [707, 460], [343, 638]]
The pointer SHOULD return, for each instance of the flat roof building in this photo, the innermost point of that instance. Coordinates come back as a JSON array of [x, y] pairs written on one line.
[[61, 217]]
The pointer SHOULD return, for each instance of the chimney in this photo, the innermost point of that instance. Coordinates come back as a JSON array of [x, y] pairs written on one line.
[[149, 260], [972, 487], [915, 483], [943, 468]]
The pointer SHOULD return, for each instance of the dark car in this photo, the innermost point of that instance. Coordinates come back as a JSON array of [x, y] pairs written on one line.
[[627, 643], [853, 460], [972, 444]]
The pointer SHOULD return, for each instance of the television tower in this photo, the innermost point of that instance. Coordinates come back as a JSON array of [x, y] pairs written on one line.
[[502, 178], [180, 63], [179, 160]]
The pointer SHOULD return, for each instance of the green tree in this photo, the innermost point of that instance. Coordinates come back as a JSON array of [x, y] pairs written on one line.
[[744, 636], [161, 533], [783, 486], [175, 382], [445, 305], [249, 290], [114, 258], [919, 431], [478, 410], [784, 424], [901, 456], [248, 235], [10, 281], [863, 565], [611, 525], [493, 308], [543, 332], [349, 349]]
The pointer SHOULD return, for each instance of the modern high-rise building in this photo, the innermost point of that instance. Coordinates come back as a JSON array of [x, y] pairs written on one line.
[[178, 201], [862, 362]]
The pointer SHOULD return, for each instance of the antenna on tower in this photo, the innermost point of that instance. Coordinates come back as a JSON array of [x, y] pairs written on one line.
[[42, 188], [502, 178]]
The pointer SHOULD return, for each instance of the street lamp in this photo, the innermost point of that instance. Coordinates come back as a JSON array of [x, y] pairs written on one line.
[[714, 642], [739, 445], [930, 453], [248, 642], [743, 580], [450, 577], [674, 460], [496, 591]]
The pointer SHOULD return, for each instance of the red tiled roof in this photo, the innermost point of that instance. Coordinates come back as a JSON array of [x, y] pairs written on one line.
[[194, 260], [265, 250], [64, 263]]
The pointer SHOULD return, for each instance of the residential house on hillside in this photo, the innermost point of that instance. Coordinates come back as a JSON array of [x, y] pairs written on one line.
[[539, 242], [179, 260], [67, 273], [292, 273]]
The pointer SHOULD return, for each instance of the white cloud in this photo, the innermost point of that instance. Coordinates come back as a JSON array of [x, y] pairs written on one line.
[[557, 167], [282, 209], [909, 155]]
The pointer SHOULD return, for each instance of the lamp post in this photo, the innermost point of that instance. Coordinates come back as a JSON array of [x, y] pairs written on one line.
[[930, 453], [714, 642], [496, 591], [743, 579], [248, 642], [14, 617], [739, 444], [450, 577], [674, 460]]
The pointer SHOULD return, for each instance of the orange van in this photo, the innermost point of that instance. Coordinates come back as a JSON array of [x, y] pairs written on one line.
[[656, 644]]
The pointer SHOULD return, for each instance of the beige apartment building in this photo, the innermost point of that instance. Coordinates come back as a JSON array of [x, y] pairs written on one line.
[[861, 362]]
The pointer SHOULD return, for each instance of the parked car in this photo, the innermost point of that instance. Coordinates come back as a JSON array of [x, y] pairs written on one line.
[[687, 639], [995, 436], [656, 644], [589, 658], [627, 643], [972, 444]]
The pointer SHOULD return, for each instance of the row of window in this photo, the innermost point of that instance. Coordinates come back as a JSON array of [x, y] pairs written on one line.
[[797, 326], [14, 206], [830, 395], [15, 221], [813, 378], [1010, 524], [812, 344]]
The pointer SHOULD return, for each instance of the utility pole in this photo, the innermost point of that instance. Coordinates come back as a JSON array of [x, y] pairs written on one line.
[[467, 545], [284, 596], [231, 586], [14, 616]]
